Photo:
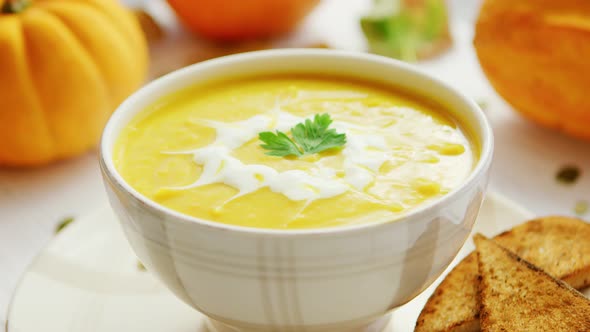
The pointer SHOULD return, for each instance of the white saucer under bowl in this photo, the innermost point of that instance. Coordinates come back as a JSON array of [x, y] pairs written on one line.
[[89, 280]]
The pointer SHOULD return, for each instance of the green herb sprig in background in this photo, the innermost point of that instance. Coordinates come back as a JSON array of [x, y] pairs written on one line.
[[309, 137]]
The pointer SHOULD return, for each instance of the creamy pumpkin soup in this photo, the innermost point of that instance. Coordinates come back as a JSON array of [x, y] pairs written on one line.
[[293, 152]]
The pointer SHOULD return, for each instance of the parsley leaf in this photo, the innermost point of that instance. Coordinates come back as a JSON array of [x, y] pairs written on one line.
[[315, 136], [309, 137], [279, 144]]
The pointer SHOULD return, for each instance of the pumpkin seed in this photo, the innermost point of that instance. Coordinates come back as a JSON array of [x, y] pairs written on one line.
[[63, 224], [581, 208], [568, 174], [140, 266]]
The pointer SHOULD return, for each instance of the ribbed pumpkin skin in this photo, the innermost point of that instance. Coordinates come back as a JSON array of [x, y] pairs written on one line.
[[65, 66], [536, 55], [234, 20]]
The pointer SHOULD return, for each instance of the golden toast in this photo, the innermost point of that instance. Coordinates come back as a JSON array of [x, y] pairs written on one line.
[[516, 295], [559, 245]]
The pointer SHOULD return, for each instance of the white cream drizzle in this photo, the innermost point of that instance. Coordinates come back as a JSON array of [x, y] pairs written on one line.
[[363, 156]]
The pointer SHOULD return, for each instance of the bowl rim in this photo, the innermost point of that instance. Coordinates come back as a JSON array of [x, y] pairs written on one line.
[[111, 175]]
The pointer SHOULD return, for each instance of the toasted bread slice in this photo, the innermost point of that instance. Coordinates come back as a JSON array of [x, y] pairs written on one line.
[[518, 296], [559, 245]]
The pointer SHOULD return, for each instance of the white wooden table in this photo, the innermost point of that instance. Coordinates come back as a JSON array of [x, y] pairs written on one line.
[[32, 202]]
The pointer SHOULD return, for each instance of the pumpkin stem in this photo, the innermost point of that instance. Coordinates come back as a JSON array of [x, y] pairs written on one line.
[[14, 6]]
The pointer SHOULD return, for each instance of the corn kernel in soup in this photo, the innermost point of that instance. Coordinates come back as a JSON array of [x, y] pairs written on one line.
[[198, 152]]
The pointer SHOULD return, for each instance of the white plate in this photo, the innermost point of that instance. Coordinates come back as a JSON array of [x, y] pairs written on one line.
[[88, 280]]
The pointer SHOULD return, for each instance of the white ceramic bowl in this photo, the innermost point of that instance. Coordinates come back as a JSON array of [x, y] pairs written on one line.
[[333, 279]]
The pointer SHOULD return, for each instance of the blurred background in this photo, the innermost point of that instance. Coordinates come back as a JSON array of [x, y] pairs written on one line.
[[531, 88]]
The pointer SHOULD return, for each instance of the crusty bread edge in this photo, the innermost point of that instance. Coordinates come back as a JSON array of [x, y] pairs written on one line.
[[470, 325], [579, 279], [465, 326]]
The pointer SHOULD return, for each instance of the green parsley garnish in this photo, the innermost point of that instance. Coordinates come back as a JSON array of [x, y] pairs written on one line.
[[309, 137]]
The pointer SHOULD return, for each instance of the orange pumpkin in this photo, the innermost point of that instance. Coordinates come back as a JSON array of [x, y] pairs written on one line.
[[65, 65], [232, 20], [535, 53]]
